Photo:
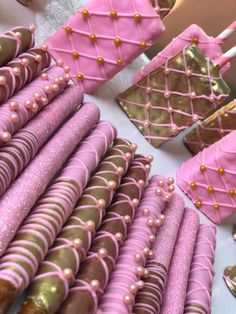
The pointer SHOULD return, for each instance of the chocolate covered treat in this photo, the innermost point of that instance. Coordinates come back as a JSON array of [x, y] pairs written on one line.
[[212, 129], [95, 270], [175, 95], [19, 199], [38, 232], [149, 299], [56, 273]]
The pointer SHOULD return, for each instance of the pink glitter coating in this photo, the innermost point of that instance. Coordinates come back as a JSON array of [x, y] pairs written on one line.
[[16, 203]]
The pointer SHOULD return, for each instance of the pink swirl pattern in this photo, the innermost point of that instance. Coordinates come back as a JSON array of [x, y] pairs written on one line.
[[22, 70], [176, 288], [208, 179], [201, 276], [37, 233], [93, 276], [103, 38], [18, 200], [15, 155], [14, 42], [125, 279], [149, 299], [28, 102], [63, 259]]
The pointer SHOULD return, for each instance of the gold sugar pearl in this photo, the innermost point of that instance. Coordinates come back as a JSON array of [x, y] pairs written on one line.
[[216, 206], [117, 41], [210, 189], [143, 45], [85, 13], [137, 17], [93, 38], [221, 171], [198, 204], [113, 14], [69, 30], [100, 60], [119, 61], [231, 192], [75, 54], [202, 168], [80, 77], [195, 40], [193, 185]]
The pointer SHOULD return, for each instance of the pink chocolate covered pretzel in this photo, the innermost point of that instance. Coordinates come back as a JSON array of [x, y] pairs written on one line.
[[37, 233], [18, 200], [15, 155], [201, 276]]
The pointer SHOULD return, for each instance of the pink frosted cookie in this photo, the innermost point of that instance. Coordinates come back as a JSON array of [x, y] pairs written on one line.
[[212, 129], [18, 200], [23, 106], [37, 233], [15, 155], [163, 7], [103, 38], [209, 179], [200, 280], [175, 292], [126, 278], [149, 299]]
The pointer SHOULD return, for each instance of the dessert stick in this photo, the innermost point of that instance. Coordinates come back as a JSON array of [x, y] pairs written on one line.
[[208, 179], [163, 7], [56, 273], [95, 270], [102, 39], [37, 233], [212, 129], [149, 299], [23, 106], [21, 71], [15, 41], [15, 155], [175, 292], [175, 95], [208, 45], [201, 275], [126, 278], [18, 200]]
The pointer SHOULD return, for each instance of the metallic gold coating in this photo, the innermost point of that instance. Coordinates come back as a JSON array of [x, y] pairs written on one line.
[[230, 279]]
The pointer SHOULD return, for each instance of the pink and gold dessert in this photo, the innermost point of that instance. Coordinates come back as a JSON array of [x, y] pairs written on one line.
[[19, 199], [175, 292], [57, 272], [103, 38], [212, 129], [37, 233], [198, 299], [149, 299], [95, 270], [129, 272], [209, 179]]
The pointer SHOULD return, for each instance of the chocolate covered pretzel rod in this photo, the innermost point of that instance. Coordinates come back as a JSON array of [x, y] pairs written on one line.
[[15, 155], [125, 279], [198, 300], [94, 272], [14, 42], [56, 273], [176, 288], [149, 299], [23, 106], [37, 233], [21, 71], [18, 200]]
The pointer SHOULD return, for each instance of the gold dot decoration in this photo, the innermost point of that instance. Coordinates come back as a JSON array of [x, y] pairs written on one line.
[[202, 168], [93, 38], [198, 204], [221, 171], [216, 206], [85, 13], [143, 45], [100, 60], [75, 55], [69, 30], [195, 40], [137, 17], [113, 14], [117, 41], [193, 185], [80, 77], [210, 189], [232, 192], [119, 61]]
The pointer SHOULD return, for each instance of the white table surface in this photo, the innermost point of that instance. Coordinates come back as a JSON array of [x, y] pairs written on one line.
[[48, 15]]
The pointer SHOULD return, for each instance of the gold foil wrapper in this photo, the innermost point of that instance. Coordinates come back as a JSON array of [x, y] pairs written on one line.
[[230, 279], [174, 96]]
